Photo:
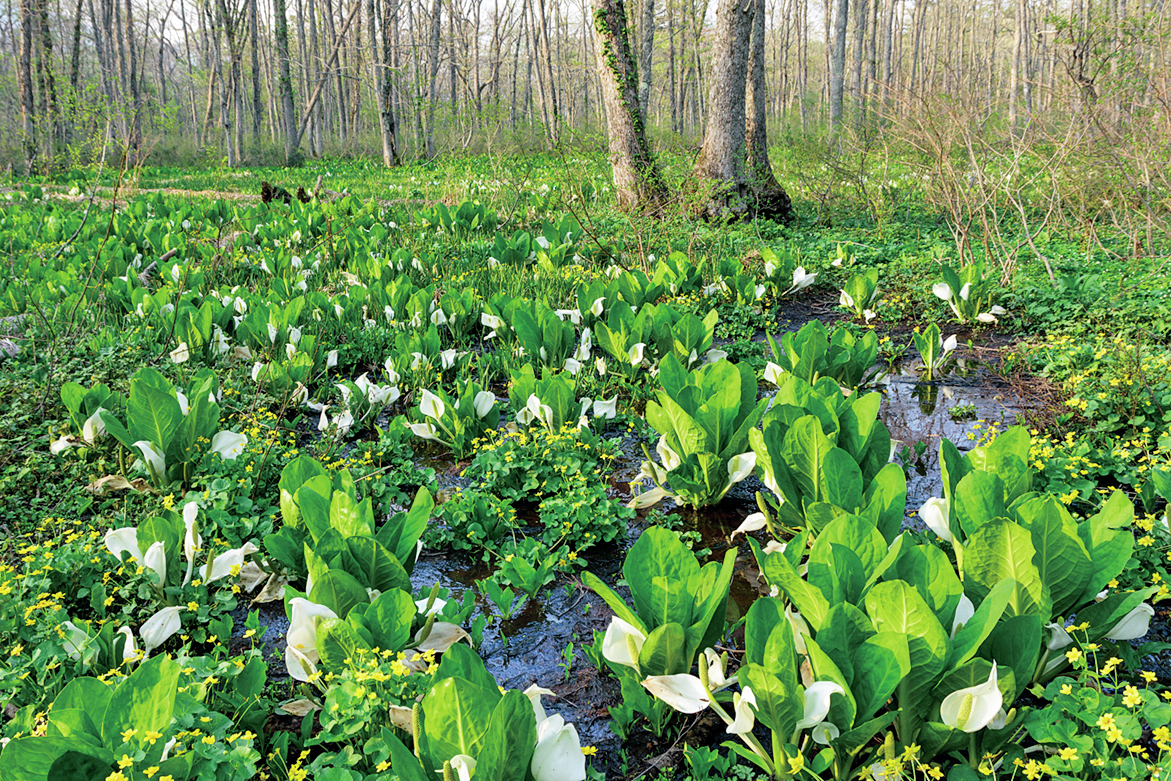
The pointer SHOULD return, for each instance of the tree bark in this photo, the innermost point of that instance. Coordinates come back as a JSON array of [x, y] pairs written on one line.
[[770, 198], [28, 108], [722, 156], [285, 81], [637, 181], [837, 63]]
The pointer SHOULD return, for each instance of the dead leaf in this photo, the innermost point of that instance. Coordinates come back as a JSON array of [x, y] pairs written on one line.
[[273, 591], [443, 636], [298, 708], [100, 486], [401, 717]]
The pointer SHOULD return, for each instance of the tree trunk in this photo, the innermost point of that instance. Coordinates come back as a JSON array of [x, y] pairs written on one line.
[[837, 63], [257, 104], [722, 156], [28, 108], [771, 200], [135, 126], [380, 57], [646, 51], [285, 81], [637, 181]]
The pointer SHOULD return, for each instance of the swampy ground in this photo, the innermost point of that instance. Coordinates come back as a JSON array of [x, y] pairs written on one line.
[[1080, 359]]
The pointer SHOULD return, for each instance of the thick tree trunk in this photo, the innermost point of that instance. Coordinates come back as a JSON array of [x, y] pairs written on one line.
[[722, 156], [646, 51], [637, 181], [380, 57], [771, 200]]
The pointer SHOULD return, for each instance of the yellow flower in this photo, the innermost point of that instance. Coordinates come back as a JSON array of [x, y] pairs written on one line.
[[1068, 753], [16, 650], [193, 606], [1105, 721], [589, 751], [1148, 676], [209, 739], [1066, 688], [125, 762], [1074, 655], [796, 764], [150, 771], [128, 734], [382, 767], [1130, 697]]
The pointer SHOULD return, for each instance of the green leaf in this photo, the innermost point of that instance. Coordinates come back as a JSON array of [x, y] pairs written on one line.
[[389, 618], [880, 663], [975, 631], [337, 641], [930, 571], [350, 517], [804, 451], [313, 500], [1015, 644], [33, 758], [153, 415], [777, 706], [895, 606], [339, 591], [780, 573], [665, 651], [764, 616], [145, 701], [298, 472], [979, 497], [656, 562], [842, 708], [458, 716], [508, 747], [1062, 559], [373, 565], [88, 694], [1002, 550]]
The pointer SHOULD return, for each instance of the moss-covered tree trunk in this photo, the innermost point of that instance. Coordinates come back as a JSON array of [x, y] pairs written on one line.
[[637, 180], [722, 157], [770, 199]]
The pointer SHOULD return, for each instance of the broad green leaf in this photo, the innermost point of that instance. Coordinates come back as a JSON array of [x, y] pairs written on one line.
[[895, 606], [665, 651], [1061, 558], [88, 694], [144, 701], [389, 618], [298, 472], [337, 642], [845, 628], [658, 553], [508, 746], [764, 615], [841, 480], [339, 591], [979, 497], [153, 415], [976, 629], [458, 715], [780, 573], [1002, 550], [313, 501], [929, 570], [374, 566], [350, 517], [880, 662], [804, 451], [33, 758], [842, 707], [777, 706]]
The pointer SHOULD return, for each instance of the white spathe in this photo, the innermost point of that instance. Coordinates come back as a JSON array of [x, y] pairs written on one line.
[[934, 513], [973, 708], [817, 697], [557, 756], [534, 694], [618, 641], [160, 627], [228, 444], [683, 692], [745, 719], [431, 405], [1133, 625], [301, 651]]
